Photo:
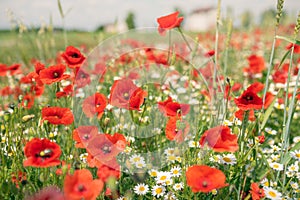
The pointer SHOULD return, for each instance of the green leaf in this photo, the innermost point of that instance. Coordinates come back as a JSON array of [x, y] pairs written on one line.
[[267, 114], [283, 58], [60, 9], [287, 156]]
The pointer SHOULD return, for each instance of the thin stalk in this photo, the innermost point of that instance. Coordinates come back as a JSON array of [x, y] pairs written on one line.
[[169, 48], [269, 67], [286, 130], [287, 87], [185, 40]]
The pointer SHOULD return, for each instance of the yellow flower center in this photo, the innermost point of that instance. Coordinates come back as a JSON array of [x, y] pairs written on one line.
[[153, 174], [158, 190], [276, 166], [226, 159], [272, 194]]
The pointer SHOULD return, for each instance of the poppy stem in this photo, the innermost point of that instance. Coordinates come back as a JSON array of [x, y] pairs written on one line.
[[185, 40], [169, 50]]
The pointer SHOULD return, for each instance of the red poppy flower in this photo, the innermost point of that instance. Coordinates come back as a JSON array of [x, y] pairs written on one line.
[[105, 172], [176, 129], [296, 47], [53, 74], [171, 109], [249, 100], [83, 135], [240, 115], [220, 139], [57, 115], [261, 139], [100, 69], [94, 104], [125, 94], [209, 53], [28, 101], [202, 178], [50, 193], [257, 193], [168, 22], [256, 65], [105, 147], [14, 69], [81, 185], [68, 90], [269, 99], [18, 178], [41, 153], [118, 139], [73, 57], [82, 78], [3, 69], [37, 90], [236, 87], [38, 66], [6, 91], [281, 75]]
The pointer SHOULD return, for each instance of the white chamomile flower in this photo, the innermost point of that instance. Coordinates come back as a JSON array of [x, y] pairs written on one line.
[[294, 167], [227, 123], [177, 186], [296, 154], [140, 164], [162, 177], [272, 193], [169, 151], [176, 171], [169, 181], [276, 166], [228, 159], [158, 191], [237, 122], [275, 157], [265, 182], [193, 144], [170, 196], [127, 149], [296, 139], [271, 131], [141, 189], [215, 158], [289, 174], [178, 159], [279, 106], [275, 148], [171, 158], [83, 157], [153, 173], [136, 158], [294, 185]]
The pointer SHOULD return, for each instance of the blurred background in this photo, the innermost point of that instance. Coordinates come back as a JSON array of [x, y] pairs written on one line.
[[120, 15], [41, 28]]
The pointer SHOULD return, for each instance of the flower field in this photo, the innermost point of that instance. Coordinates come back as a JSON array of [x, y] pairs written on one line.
[[153, 113]]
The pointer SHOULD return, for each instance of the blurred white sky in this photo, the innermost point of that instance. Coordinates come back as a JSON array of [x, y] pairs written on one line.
[[88, 14]]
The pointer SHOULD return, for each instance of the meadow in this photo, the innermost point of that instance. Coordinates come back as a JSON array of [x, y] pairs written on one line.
[[156, 113]]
